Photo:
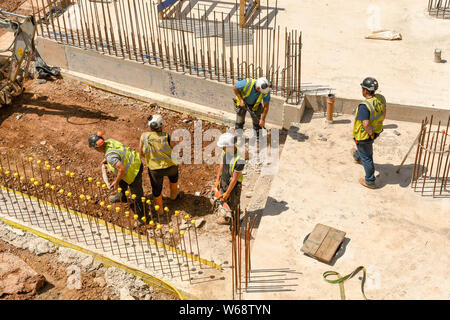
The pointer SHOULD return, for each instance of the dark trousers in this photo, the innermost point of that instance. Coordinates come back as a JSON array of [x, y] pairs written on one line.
[[255, 115], [364, 153], [235, 197], [157, 178], [135, 188]]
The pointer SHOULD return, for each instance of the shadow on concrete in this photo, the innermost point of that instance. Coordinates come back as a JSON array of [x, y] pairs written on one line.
[[343, 121], [271, 280], [274, 207], [390, 126], [26, 104], [296, 135], [388, 175]]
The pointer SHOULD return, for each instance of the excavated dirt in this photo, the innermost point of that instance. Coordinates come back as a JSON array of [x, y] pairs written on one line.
[[56, 274], [13, 6], [53, 121]]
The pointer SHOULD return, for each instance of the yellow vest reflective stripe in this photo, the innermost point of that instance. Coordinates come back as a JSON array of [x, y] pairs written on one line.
[[232, 165], [250, 83], [158, 153], [376, 106], [129, 158]]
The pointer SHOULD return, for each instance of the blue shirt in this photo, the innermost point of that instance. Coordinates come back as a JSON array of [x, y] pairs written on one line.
[[363, 113], [251, 99]]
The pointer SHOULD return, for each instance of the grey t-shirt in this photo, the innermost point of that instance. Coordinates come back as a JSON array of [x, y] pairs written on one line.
[[112, 158]]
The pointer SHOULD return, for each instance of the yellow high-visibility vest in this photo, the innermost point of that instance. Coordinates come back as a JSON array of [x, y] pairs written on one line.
[[129, 158], [157, 150], [246, 92], [377, 107], [233, 162]]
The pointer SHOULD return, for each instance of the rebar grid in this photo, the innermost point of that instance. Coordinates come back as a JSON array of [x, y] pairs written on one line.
[[439, 8], [73, 206], [432, 163], [241, 234], [196, 41]]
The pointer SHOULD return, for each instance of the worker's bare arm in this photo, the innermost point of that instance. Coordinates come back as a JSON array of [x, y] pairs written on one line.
[[262, 122], [232, 184], [120, 174], [367, 127], [219, 174], [238, 94]]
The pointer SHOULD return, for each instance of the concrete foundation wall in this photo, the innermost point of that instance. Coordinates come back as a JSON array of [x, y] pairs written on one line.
[[393, 111], [216, 96]]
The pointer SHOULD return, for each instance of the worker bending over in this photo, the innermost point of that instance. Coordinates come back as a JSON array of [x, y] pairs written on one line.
[[251, 94], [367, 127], [127, 166], [229, 177], [156, 147]]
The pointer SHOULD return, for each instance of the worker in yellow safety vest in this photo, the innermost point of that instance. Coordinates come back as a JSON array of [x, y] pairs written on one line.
[[155, 146], [126, 164], [368, 125], [229, 176], [252, 96]]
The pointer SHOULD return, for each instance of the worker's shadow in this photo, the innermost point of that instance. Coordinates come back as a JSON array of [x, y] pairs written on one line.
[[273, 207], [387, 174], [42, 106]]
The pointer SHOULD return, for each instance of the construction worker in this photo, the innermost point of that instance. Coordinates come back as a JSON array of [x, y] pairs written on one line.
[[229, 176], [367, 127], [155, 146], [250, 94], [127, 166]]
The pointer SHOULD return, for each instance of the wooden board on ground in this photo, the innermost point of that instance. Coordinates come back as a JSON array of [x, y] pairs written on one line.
[[323, 242]]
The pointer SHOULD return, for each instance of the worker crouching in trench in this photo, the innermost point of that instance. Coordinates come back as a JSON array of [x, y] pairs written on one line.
[[126, 164]]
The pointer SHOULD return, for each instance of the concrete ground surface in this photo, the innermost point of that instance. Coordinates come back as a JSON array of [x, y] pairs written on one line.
[[401, 237], [336, 55]]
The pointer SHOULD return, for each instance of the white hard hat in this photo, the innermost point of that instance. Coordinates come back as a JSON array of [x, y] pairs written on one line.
[[156, 121], [263, 85], [226, 140]]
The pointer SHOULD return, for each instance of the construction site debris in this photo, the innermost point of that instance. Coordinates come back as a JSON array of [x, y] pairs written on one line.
[[17, 276], [323, 242], [384, 35]]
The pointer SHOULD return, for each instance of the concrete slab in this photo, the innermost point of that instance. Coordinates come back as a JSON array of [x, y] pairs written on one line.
[[336, 55], [401, 237]]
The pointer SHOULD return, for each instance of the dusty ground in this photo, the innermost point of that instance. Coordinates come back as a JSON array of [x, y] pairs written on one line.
[[400, 236], [17, 6]]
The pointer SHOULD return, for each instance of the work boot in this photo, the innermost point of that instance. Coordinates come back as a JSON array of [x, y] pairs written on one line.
[[363, 182], [117, 198], [173, 191], [353, 157]]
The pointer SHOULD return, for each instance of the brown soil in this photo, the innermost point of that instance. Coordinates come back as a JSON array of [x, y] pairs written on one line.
[[64, 113], [56, 280], [13, 6]]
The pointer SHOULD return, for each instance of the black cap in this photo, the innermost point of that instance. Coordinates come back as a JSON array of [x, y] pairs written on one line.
[[370, 84]]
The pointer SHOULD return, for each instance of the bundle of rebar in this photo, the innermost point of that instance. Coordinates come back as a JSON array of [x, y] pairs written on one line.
[[439, 8], [432, 163], [73, 206], [241, 232], [195, 41]]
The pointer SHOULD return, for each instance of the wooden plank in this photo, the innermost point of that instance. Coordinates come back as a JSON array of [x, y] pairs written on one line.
[[315, 239], [330, 245]]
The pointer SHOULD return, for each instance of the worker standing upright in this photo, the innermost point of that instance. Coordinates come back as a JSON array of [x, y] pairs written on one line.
[[155, 146], [250, 95], [367, 127], [229, 176], [127, 166]]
